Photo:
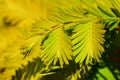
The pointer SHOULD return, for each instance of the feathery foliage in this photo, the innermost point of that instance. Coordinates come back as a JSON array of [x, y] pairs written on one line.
[[59, 39]]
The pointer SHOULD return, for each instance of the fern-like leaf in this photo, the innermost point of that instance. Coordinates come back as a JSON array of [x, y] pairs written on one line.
[[87, 41], [57, 47], [32, 45]]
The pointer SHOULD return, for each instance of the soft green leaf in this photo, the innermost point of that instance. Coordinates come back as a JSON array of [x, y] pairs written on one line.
[[57, 47], [32, 46], [87, 41]]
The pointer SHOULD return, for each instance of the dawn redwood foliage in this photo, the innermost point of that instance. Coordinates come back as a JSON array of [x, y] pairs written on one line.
[[69, 44]]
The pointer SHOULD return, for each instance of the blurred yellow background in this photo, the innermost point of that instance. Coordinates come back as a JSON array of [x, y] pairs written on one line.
[[16, 17]]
